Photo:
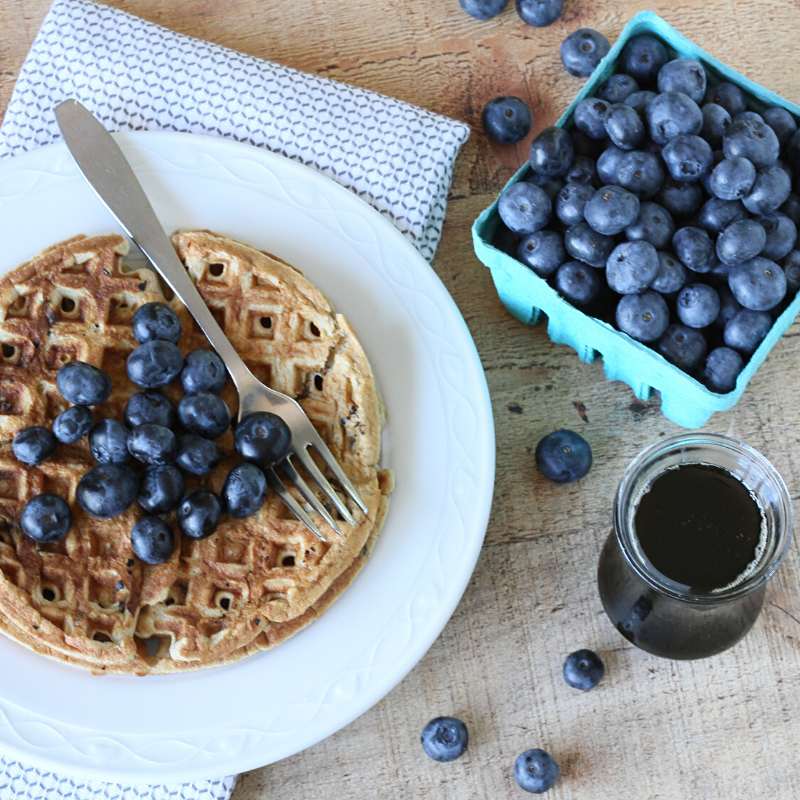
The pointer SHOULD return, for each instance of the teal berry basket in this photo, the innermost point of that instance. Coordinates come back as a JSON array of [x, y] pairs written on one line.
[[530, 299]]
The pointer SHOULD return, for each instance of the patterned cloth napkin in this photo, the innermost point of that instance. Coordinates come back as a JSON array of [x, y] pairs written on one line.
[[134, 75]]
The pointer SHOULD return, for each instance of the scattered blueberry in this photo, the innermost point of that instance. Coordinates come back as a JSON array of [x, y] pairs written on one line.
[[611, 210], [727, 95], [82, 384], [543, 252], [203, 371], [445, 739], [590, 117], [587, 245], [196, 454], [244, 490], [694, 248], [643, 57], [583, 670], [563, 456], [535, 771], [640, 172], [684, 347], [758, 284], [152, 444], [199, 513], [723, 366], [624, 127], [108, 442], [683, 75], [150, 408], [582, 51], [733, 178], [156, 322], [483, 9], [46, 518], [551, 152], [578, 283], [751, 139], [263, 439], [73, 424], [152, 540], [644, 316], [33, 445], [205, 414], [161, 489], [155, 364], [632, 267], [671, 275], [107, 490], [571, 201], [741, 241], [525, 208], [672, 114], [618, 88], [781, 235], [697, 305], [506, 119], [746, 330]]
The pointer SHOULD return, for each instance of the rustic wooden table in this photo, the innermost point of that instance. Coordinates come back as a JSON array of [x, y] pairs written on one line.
[[726, 727]]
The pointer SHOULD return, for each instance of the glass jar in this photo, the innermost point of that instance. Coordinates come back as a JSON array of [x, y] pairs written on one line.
[[669, 619]]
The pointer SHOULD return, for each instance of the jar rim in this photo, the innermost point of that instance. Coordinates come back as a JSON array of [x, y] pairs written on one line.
[[627, 540]]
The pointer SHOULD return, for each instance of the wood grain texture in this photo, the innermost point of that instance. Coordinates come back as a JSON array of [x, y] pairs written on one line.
[[726, 727]]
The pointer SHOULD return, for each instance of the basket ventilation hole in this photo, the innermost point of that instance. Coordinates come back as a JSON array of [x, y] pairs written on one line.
[[216, 269]]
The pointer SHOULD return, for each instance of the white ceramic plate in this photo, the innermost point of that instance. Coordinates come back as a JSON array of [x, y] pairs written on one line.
[[439, 441]]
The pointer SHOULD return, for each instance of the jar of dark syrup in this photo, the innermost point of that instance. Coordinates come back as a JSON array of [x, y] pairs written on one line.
[[701, 522]]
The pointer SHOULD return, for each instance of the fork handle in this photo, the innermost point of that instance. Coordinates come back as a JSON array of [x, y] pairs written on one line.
[[108, 172]]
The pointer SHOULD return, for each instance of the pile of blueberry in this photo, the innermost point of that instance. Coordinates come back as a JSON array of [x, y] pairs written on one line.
[[539, 13], [446, 738], [666, 209], [144, 458]]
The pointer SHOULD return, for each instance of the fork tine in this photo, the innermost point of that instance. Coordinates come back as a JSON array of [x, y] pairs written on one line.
[[333, 465], [313, 470], [294, 476], [295, 507]]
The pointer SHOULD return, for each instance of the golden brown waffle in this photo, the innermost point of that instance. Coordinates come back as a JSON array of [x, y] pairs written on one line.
[[87, 600]]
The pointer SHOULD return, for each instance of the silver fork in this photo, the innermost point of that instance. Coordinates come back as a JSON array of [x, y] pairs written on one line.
[[108, 172]]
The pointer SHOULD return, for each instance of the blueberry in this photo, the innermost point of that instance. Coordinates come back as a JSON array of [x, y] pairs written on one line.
[[73, 424], [543, 252], [611, 210], [718, 275], [770, 191], [781, 235], [715, 123], [506, 119], [639, 101], [444, 738], [680, 198], [152, 540], [727, 95], [33, 445], [583, 170], [752, 116], [199, 513], [82, 384], [550, 186], [578, 283], [644, 316], [205, 414], [640, 172], [587, 245], [654, 224], [733, 178], [684, 347], [535, 770], [196, 454], [244, 490], [583, 670], [751, 139], [741, 241], [155, 364], [149, 408], [563, 456], [617, 88], [782, 122], [723, 366], [108, 441], [571, 201], [46, 518], [643, 57], [107, 490], [717, 156], [161, 489], [624, 127], [551, 152], [156, 322], [683, 75], [483, 9], [729, 306], [671, 275], [608, 163], [525, 208], [590, 117], [694, 248], [582, 51], [697, 305], [672, 114], [152, 444], [791, 208], [715, 214], [203, 371], [263, 439], [687, 157], [632, 267], [746, 330], [758, 284], [792, 272]]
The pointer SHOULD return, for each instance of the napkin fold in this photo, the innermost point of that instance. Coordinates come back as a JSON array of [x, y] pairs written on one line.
[[135, 75]]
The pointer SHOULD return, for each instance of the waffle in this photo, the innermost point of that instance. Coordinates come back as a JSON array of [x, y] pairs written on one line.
[[86, 600]]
